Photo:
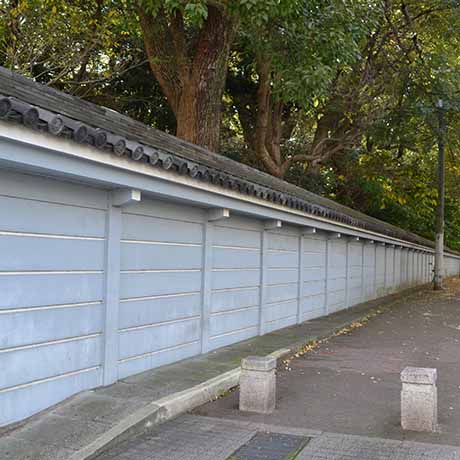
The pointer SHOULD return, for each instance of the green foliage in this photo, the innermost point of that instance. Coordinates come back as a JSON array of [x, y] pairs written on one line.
[[307, 43], [90, 49], [377, 67], [52, 39], [257, 12]]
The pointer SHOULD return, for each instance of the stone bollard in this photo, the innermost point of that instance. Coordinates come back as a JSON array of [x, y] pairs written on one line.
[[419, 399], [258, 384]]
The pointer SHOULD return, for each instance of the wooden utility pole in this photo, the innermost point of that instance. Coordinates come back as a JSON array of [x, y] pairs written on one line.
[[439, 251]]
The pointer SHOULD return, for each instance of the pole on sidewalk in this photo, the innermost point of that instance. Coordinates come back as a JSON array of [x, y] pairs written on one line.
[[439, 251]]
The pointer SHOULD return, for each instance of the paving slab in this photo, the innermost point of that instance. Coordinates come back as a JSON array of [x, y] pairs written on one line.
[[270, 446], [182, 439], [348, 447], [96, 418]]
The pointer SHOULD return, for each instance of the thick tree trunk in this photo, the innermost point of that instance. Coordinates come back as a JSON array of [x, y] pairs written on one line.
[[199, 110], [191, 72]]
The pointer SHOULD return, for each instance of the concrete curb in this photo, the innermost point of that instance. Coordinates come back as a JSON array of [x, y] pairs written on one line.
[[160, 411], [171, 406]]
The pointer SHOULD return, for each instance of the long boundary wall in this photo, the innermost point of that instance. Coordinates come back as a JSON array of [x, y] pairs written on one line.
[[97, 284]]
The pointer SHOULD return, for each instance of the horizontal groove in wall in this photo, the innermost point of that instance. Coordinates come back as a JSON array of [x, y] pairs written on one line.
[[162, 323], [282, 284], [157, 352], [236, 331], [236, 269], [162, 296], [51, 236], [281, 319], [321, 287], [320, 280], [321, 294], [52, 342], [284, 232], [127, 212], [236, 310], [162, 243], [283, 269], [236, 248], [49, 379], [69, 205], [166, 270], [234, 227], [52, 272], [237, 289], [280, 302], [51, 307], [289, 251]]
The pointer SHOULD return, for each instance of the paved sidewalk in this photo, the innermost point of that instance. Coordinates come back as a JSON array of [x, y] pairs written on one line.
[[203, 438], [351, 384], [329, 446], [66, 429]]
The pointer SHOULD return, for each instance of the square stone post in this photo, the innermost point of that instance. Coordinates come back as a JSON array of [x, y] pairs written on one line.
[[258, 384], [419, 399]]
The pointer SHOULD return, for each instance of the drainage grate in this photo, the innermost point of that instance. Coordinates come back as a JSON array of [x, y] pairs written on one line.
[[270, 446]]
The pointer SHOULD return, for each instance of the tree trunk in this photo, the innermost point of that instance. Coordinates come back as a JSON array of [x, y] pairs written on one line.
[[191, 71], [199, 110], [269, 124]]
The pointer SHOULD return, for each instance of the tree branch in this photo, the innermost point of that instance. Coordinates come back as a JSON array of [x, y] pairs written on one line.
[[263, 114]]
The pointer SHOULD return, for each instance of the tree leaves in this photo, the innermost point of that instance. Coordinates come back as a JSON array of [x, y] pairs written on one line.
[[360, 76]]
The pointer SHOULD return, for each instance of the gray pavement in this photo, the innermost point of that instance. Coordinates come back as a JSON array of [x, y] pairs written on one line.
[[329, 446], [202, 438], [64, 430], [351, 384], [191, 438]]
